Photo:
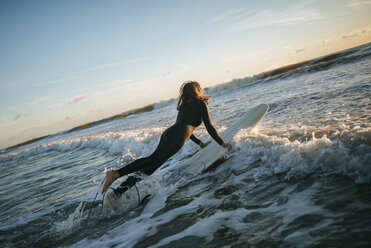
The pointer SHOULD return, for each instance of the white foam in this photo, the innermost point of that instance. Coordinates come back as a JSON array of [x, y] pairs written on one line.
[[140, 142], [299, 158], [278, 155], [71, 223], [128, 234]]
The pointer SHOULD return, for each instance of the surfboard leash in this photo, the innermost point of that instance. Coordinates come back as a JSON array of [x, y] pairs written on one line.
[[138, 194], [91, 207]]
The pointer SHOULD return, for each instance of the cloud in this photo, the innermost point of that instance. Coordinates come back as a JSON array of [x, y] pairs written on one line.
[[58, 80], [77, 99], [356, 33], [358, 3], [94, 68], [124, 62], [114, 83], [20, 115], [324, 42], [300, 50], [298, 13], [229, 14], [40, 100], [68, 118], [183, 66], [351, 35], [271, 18]]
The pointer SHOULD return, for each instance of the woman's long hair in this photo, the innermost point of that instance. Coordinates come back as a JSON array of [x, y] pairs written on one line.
[[189, 92]]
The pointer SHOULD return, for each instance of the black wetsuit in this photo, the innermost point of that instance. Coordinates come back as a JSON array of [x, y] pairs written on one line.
[[172, 139]]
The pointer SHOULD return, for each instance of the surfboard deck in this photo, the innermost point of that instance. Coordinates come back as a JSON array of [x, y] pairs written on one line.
[[206, 157]]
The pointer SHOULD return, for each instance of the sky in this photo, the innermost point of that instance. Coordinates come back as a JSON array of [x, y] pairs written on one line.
[[65, 63]]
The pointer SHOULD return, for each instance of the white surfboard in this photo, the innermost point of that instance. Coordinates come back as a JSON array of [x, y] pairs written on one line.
[[206, 157]]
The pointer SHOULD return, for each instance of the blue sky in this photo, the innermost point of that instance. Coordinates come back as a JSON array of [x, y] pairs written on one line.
[[64, 63]]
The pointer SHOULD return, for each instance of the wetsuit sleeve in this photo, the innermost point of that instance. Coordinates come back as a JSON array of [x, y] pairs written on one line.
[[195, 139], [208, 124]]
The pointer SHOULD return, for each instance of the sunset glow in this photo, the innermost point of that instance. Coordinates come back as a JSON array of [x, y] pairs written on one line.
[[65, 63]]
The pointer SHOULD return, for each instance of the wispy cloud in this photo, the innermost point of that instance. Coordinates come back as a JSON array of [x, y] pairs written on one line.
[[300, 50], [324, 42], [124, 62], [358, 3], [271, 18], [184, 66], [94, 68], [20, 115], [301, 12], [58, 80], [77, 99], [114, 83], [229, 14], [350, 35], [40, 100], [356, 33]]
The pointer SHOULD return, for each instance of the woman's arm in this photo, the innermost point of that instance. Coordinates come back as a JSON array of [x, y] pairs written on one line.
[[208, 124], [195, 139]]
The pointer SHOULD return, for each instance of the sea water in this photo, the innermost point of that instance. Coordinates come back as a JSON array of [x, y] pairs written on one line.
[[301, 179]]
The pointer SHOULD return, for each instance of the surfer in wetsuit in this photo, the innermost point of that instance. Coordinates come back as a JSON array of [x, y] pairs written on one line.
[[192, 107]]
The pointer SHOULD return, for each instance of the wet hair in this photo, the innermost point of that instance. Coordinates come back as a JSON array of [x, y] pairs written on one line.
[[189, 92]]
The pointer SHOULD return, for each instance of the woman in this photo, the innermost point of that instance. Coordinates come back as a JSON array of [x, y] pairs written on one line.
[[192, 107]]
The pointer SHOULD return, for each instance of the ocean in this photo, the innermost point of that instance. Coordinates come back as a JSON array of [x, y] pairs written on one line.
[[302, 178]]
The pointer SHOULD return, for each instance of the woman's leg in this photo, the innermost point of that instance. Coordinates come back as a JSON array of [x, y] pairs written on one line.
[[137, 165], [170, 143], [134, 166]]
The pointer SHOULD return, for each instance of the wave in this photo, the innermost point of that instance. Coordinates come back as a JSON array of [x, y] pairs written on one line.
[[332, 152], [314, 65], [138, 141], [116, 117], [296, 152], [165, 103]]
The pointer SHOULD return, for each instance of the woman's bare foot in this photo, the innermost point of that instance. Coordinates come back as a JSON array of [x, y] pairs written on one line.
[[111, 176]]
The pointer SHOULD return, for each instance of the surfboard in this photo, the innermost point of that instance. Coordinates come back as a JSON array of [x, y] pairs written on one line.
[[206, 157]]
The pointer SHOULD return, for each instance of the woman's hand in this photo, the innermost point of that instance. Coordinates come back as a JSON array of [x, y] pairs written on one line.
[[227, 146], [202, 145]]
